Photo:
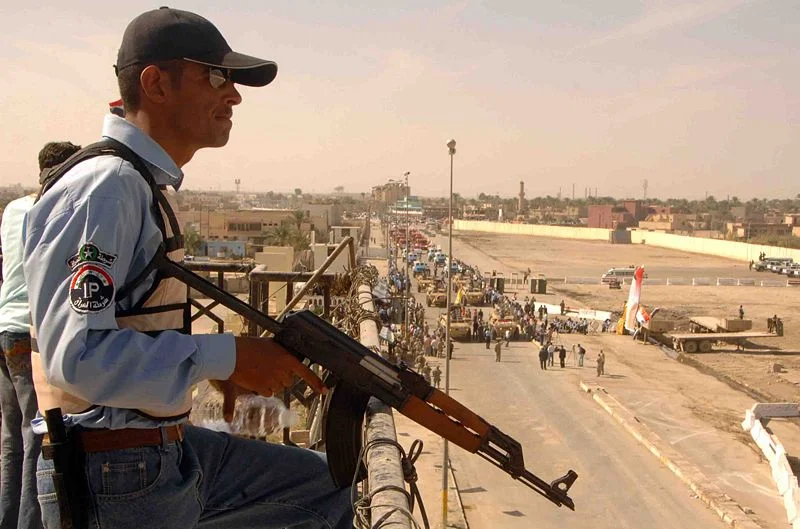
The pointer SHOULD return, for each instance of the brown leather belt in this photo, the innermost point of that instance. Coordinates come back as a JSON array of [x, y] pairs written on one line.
[[91, 441]]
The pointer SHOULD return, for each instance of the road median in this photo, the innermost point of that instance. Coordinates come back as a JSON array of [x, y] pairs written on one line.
[[729, 511]]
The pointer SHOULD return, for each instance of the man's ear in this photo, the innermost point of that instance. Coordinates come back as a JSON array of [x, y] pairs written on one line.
[[154, 83]]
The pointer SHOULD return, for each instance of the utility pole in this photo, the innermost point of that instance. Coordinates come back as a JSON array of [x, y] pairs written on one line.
[[408, 277], [451, 146]]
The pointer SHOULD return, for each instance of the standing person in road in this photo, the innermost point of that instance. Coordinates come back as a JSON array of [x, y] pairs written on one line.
[[508, 337], [562, 356], [601, 363], [113, 348], [551, 349], [581, 354], [741, 312], [498, 347], [543, 358], [487, 337], [437, 376], [19, 507], [563, 307]]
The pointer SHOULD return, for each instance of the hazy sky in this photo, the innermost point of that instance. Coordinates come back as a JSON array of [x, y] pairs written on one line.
[[697, 96]]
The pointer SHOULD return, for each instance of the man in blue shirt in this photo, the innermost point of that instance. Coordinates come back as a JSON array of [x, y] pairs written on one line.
[[103, 316], [18, 505]]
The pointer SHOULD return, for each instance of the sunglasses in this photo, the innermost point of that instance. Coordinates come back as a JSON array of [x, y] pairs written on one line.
[[218, 77]]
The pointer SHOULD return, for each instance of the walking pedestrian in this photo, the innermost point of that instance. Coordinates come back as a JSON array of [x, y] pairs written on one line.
[[741, 312], [498, 347], [581, 353], [437, 376], [562, 356], [551, 349]]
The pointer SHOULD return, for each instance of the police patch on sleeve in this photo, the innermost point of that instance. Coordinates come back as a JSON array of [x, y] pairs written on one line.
[[91, 289], [91, 253]]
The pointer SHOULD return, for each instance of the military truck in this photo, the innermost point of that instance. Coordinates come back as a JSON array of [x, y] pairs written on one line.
[[460, 329]]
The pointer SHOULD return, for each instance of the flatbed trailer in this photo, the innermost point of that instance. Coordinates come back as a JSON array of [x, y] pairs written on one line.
[[704, 341]]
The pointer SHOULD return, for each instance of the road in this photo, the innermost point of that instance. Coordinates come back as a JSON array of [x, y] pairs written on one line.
[[620, 485]]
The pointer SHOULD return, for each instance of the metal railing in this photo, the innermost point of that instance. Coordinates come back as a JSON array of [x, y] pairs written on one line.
[[388, 505], [383, 460]]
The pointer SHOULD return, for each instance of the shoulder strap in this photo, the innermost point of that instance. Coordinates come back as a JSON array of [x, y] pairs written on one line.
[[111, 147], [105, 147]]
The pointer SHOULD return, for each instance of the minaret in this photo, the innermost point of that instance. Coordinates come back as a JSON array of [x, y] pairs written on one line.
[[521, 204]]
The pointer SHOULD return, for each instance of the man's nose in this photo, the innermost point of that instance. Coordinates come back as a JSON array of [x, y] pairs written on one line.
[[232, 95]]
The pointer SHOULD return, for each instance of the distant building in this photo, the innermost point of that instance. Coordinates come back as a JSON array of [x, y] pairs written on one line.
[[748, 230], [407, 205], [610, 217], [791, 219], [672, 222], [229, 249], [390, 192], [338, 233], [438, 211]]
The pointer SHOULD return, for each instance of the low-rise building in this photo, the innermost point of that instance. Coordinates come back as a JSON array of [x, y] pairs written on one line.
[[748, 230], [338, 234]]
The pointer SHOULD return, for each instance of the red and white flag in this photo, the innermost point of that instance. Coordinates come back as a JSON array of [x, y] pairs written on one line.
[[632, 308]]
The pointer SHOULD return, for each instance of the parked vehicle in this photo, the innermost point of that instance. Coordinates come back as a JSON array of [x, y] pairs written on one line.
[[620, 274], [790, 269]]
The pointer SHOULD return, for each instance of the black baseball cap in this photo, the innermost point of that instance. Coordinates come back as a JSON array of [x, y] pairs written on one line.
[[165, 34]]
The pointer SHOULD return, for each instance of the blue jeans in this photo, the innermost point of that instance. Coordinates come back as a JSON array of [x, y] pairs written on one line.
[[20, 446], [210, 480]]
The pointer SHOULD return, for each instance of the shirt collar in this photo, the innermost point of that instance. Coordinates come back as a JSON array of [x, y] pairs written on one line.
[[164, 170]]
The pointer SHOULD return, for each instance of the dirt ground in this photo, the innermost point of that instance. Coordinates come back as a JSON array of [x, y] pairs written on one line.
[[565, 257], [753, 367]]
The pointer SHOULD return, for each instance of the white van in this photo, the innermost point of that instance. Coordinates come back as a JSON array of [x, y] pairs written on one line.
[[620, 274]]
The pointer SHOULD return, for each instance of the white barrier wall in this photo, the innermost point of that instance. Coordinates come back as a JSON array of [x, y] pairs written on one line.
[[731, 249], [740, 251], [539, 230]]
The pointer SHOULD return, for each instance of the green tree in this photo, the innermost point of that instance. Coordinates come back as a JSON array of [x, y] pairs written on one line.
[[298, 191], [191, 239], [299, 217]]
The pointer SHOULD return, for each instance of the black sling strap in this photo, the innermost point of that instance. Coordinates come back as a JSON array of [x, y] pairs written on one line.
[[111, 147]]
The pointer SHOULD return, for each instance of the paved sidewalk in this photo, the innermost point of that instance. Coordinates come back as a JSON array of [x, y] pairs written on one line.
[[429, 471], [694, 414]]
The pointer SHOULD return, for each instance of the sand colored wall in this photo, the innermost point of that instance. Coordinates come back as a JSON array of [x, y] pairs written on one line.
[[740, 251], [539, 230], [731, 249]]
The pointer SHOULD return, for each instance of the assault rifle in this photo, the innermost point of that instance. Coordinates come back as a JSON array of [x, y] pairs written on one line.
[[355, 373]]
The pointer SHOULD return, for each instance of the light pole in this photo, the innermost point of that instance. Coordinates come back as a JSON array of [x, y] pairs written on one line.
[[408, 278], [451, 146]]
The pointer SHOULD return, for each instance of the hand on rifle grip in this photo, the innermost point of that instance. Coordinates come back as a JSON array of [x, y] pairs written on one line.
[[264, 367]]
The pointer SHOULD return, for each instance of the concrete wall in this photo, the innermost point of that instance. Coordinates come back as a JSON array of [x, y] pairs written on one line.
[[730, 249], [740, 251], [538, 230]]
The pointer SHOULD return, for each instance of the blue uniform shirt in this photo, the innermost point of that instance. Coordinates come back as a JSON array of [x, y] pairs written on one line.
[[15, 314], [104, 201]]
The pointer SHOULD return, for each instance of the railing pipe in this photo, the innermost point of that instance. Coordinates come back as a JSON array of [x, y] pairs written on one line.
[[384, 469]]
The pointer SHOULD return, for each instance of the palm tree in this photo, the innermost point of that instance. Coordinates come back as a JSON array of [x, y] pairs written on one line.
[[280, 235], [299, 217], [191, 239]]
